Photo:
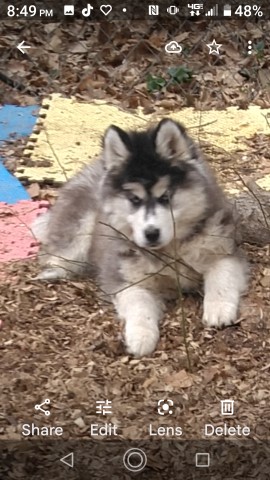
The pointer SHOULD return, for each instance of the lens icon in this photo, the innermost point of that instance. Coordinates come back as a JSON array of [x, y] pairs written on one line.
[[135, 460]]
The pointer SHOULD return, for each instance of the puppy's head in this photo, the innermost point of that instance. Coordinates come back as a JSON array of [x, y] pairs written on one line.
[[152, 185]]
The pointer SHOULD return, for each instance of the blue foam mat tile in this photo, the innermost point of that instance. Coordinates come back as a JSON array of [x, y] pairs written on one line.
[[15, 122], [11, 190]]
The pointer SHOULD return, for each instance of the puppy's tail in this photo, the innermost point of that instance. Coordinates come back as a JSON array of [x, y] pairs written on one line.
[[40, 227]]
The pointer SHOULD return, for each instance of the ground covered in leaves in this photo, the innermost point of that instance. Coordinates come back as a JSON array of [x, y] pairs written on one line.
[[61, 341], [126, 63]]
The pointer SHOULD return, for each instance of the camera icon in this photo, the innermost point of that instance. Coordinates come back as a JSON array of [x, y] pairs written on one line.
[[134, 459]]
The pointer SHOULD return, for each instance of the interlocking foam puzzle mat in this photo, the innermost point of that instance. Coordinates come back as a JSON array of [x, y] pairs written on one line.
[[16, 239], [15, 122], [17, 211], [68, 134]]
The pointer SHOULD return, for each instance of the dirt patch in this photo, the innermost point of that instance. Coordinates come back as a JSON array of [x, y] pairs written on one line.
[[62, 342]]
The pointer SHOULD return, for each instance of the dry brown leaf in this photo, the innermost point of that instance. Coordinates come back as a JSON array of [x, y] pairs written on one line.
[[265, 281], [209, 374], [149, 381], [182, 36], [78, 47], [167, 103], [264, 77], [34, 190], [55, 43], [181, 379], [80, 422], [130, 432]]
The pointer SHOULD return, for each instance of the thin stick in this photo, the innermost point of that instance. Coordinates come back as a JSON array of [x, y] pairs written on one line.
[[15, 84], [179, 290]]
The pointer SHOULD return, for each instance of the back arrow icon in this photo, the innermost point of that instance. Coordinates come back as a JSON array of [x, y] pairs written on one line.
[[21, 46], [68, 460]]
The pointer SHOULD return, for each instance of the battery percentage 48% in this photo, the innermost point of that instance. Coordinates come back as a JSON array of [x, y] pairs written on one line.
[[248, 10]]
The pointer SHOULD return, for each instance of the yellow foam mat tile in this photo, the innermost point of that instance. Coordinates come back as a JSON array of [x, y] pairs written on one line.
[[68, 133]]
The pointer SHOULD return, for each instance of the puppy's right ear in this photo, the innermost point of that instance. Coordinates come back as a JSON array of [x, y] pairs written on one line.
[[115, 147]]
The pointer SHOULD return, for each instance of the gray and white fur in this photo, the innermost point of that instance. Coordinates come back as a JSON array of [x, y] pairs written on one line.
[[146, 212]]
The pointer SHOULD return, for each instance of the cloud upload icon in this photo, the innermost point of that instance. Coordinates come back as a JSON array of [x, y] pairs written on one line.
[[173, 47]]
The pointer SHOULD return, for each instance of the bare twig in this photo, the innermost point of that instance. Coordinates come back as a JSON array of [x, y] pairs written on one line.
[[55, 155], [15, 84], [180, 294]]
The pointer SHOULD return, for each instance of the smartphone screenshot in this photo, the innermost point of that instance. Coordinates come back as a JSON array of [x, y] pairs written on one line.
[[134, 240]]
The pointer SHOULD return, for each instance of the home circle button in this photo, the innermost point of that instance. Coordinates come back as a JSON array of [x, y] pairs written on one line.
[[134, 459]]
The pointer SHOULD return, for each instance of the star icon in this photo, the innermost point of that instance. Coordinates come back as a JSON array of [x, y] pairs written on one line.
[[214, 47]]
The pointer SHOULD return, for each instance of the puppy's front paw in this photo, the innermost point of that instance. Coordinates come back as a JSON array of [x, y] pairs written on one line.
[[219, 314], [141, 340]]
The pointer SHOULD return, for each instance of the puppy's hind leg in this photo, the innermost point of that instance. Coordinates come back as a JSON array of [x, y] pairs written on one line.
[[141, 310], [52, 274], [65, 253], [63, 264]]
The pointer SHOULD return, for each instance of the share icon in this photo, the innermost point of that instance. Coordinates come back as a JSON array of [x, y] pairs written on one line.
[[39, 407]]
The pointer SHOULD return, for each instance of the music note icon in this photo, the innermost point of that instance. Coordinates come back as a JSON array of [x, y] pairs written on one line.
[[87, 11]]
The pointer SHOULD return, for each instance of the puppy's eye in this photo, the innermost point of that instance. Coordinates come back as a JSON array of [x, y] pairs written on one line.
[[134, 199], [165, 198]]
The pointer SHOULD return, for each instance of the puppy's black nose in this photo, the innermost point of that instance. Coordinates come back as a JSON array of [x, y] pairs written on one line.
[[152, 234]]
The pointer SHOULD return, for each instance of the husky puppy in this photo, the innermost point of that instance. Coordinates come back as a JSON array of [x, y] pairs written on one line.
[[145, 218]]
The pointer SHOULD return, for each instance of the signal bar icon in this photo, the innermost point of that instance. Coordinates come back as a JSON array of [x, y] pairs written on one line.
[[213, 12]]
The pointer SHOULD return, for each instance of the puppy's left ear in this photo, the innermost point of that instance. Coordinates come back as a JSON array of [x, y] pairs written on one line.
[[171, 141], [115, 147]]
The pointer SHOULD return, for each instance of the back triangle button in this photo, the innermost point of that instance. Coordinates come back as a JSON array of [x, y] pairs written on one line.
[[68, 460]]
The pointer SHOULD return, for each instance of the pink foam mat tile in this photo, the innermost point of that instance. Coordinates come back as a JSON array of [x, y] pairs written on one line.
[[16, 239]]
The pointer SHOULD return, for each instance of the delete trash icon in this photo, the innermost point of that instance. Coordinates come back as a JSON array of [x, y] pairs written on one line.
[[173, 47]]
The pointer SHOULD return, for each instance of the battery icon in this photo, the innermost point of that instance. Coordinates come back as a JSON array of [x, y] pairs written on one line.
[[227, 10]]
